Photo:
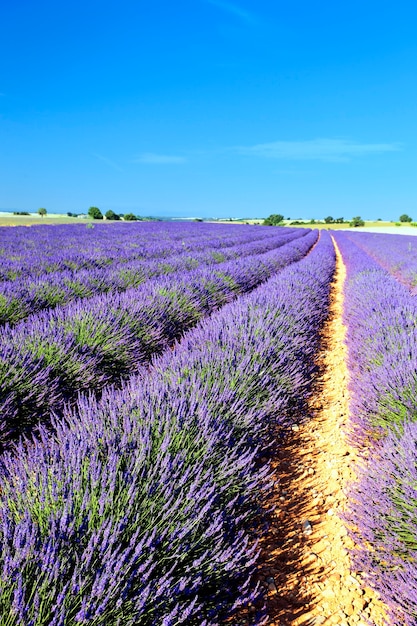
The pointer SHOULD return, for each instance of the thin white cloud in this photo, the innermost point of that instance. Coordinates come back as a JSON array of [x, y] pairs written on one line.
[[159, 159], [316, 149], [109, 162], [233, 9]]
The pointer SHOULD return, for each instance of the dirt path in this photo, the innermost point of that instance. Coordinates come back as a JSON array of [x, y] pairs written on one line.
[[306, 567]]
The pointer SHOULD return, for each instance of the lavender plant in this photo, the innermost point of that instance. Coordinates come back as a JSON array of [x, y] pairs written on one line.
[[384, 516], [28, 295], [381, 320], [395, 253], [142, 507], [88, 344], [382, 347], [43, 250]]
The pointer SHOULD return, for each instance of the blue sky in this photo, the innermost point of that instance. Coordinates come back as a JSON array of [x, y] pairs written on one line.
[[210, 107]]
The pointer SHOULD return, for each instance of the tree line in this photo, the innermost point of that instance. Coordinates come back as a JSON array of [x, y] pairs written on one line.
[[276, 219]]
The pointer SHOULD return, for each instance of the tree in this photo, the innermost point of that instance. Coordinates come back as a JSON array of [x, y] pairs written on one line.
[[95, 213], [357, 221], [42, 212], [339, 220], [111, 215], [329, 220], [273, 220], [129, 217], [405, 218]]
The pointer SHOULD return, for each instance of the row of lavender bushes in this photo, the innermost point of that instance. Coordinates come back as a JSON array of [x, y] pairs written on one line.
[[44, 250], [381, 318], [144, 507], [395, 253], [28, 295], [48, 358]]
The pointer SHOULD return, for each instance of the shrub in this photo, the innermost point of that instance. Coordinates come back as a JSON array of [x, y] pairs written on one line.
[[356, 221], [273, 220], [95, 213], [111, 215]]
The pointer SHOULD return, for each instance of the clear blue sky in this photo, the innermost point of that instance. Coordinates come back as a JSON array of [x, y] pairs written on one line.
[[210, 107]]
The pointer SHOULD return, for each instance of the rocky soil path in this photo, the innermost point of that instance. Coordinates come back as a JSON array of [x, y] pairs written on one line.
[[305, 565]]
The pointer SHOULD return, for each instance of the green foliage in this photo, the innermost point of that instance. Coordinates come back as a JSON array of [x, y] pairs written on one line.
[[50, 295], [111, 215], [129, 217], [12, 310], [218, 256], [20, 213], [273, 220], [356, 221], [131, 278], [329, 219], [42, 212], [405, 218], [95, 213]]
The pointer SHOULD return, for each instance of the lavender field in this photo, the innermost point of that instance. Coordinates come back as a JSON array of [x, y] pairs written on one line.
[[149, 373]]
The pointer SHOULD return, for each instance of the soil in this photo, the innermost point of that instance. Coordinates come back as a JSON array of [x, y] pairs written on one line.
[[305, 563]]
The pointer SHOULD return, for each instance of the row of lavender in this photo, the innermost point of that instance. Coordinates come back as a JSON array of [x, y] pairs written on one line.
[[74, 247], [395, 253], [381, 317], [48, 358], [144, 507], [30, 294]]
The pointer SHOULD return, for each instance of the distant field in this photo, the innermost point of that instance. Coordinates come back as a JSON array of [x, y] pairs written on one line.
[[396, 227], [8, 219]]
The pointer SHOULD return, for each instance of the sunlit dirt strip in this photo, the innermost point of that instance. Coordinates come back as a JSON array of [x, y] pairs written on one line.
[[305, 564]]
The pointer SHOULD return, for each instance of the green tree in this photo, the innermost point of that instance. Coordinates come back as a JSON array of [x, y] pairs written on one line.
[[129, 217], [329, 219], [42, 212], [273, 220], [357, 221], [405, 218], [95, 213], [111, 215], [339, 220]]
